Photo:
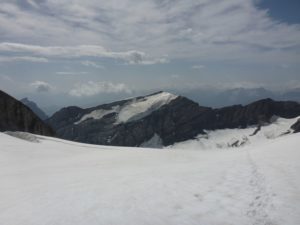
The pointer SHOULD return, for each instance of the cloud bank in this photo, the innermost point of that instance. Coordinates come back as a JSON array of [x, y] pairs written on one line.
[[141, 32], [41, 86], [91, 64], [132, 57], [24, 59], [92, 88]]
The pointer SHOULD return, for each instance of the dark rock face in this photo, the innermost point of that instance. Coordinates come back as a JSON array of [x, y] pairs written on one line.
[[174, 122], [179, 120], [255, 113], [33, 106], [296, 126], [15, 116]]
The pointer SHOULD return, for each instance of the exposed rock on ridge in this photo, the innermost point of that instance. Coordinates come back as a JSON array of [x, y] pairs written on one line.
[[15, 116], [178, 120]]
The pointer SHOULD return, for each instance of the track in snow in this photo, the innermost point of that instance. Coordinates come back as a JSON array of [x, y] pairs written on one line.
[[262, 198]]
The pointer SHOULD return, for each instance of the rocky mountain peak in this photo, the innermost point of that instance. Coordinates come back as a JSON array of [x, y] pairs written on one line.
[[34, 107], [162, 118]]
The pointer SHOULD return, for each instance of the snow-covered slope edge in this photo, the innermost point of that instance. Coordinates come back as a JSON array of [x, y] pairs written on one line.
[[67, 183], [231, 138]]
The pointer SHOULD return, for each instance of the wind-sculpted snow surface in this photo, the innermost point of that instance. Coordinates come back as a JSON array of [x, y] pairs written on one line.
[[66, 183]]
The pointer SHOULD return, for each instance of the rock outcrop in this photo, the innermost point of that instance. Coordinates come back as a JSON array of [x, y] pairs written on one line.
[[15, 116], [296, 127], [256, 113]]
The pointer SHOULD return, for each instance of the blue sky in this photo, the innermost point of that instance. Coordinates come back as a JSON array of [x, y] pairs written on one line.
[[66, 52], [286, 11]]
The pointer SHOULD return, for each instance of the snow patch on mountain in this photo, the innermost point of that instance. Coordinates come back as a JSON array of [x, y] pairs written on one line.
[[228, 138], [98, 114], [139, 108], [135, 109]]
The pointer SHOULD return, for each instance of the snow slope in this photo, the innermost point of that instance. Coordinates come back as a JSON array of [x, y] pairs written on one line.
[[135, 109], [65, 183], [227, 138]]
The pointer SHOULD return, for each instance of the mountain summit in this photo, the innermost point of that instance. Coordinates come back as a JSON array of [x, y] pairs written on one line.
[[34, 107]]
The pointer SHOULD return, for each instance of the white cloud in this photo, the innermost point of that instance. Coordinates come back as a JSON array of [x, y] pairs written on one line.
[[92, 88], [41, 86], [23, 59], [71, 72], [175, 76], [33, 3], [132, 57], [198, 67], [199, 29], [289, 85], [285, 66], [214, 86], [6, 78], [92, 64], [182, 29], [141, 61]]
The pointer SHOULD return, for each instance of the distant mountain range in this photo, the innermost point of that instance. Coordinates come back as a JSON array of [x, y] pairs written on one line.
[[156, 120], [161, 119], [210, 97], [15, 116], [33, 106]]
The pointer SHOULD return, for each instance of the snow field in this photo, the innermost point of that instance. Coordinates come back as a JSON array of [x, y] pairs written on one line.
[[61, 182], [225, 138]]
